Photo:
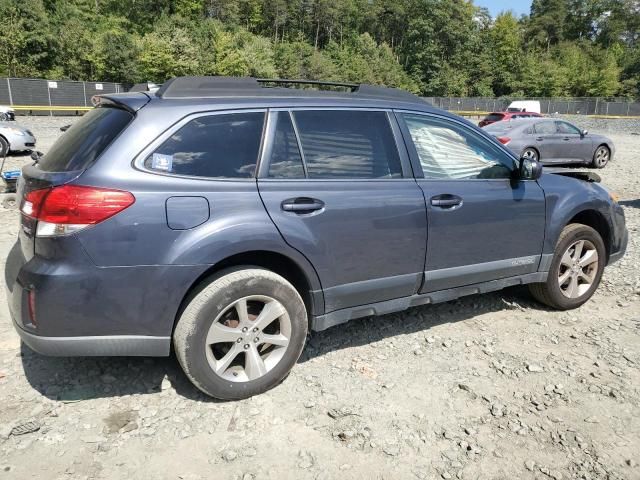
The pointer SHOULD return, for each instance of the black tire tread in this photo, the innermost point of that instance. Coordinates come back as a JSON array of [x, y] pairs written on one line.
[[188, 320], [541, 291]]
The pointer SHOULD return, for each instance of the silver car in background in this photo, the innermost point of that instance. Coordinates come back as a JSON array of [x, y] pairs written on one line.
[[551, 140], [15, 138]]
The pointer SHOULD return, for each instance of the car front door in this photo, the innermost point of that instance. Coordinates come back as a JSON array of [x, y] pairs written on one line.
[[575, 146], [482, 225], [341, 192]]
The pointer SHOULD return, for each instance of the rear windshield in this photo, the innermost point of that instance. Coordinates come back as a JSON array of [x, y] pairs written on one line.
[[87, 138], [494, 117]]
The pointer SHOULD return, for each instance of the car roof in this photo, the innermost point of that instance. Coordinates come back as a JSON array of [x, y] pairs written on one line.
[[247, 92]]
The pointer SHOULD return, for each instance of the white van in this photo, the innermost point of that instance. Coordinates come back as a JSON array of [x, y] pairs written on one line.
[[524, 106]]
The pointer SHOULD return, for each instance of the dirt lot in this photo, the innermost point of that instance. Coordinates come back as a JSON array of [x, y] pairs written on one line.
[[487, 387]]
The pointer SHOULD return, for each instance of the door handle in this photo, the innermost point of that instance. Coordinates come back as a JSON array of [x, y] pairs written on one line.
[[539, 139], [301, 205], [446, 201]]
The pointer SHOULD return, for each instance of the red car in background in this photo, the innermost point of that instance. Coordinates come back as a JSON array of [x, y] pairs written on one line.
[[501, 116]]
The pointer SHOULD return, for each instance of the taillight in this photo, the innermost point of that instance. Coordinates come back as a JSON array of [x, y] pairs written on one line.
[[69, 208], [504, 140]]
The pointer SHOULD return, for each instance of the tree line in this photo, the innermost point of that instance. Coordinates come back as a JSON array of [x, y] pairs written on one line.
[[431, 47]]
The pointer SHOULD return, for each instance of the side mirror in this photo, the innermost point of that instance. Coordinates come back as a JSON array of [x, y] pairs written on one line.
[[583, 133], [530, 169], [36, 155]]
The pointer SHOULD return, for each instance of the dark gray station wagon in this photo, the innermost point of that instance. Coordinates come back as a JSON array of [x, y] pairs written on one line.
[[227, 217]]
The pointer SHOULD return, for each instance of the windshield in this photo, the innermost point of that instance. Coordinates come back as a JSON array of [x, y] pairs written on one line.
[[83, 143]]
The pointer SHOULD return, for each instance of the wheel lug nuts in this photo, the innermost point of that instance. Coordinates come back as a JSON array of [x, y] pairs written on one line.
[[246, 346], [255, 329], [244, 329], [239, 340], [256, 339]]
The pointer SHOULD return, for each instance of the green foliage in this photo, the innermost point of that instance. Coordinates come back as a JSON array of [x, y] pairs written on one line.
[[431, 47]]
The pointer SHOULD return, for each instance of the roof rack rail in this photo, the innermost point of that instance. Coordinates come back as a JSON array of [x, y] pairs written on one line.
[[286, 81], [209, 87]]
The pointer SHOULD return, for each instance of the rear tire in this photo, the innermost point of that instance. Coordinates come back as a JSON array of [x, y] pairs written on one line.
[[241, 334], [575, 271], [601, 157]]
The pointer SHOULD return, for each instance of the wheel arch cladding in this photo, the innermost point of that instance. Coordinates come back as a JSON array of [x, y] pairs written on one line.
[[273, 261], [596, 220]]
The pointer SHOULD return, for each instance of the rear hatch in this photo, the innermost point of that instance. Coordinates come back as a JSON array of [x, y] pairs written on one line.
[[75, 151]]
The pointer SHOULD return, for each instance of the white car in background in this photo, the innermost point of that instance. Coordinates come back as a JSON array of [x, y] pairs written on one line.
[[7, 114], [15, 138]]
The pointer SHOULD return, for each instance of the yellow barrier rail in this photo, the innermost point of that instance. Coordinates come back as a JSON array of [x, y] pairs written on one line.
[[52, 108]]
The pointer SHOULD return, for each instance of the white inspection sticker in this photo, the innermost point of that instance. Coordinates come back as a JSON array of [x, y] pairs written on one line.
[[163, 162]]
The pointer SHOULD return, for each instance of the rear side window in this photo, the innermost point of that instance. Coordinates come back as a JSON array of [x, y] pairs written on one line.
[[224, 146], [83, 143], [545, 128], [344, 144]]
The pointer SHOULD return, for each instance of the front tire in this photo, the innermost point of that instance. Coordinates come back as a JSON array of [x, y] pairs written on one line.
[[4, 147], [601, 156], [575, 271], [241, 334]]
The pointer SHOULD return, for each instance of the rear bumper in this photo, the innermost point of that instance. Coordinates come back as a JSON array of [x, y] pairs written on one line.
[[108, 346]]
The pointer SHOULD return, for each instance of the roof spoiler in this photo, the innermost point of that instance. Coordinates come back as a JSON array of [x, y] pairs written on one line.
[[128, 101]]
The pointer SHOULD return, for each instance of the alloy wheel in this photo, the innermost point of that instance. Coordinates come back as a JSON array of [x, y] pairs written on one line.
[[578, 269], [602, 156], [248, 339], [530, 154]]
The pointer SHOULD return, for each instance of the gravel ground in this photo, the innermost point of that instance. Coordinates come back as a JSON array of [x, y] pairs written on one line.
[[486, 387]]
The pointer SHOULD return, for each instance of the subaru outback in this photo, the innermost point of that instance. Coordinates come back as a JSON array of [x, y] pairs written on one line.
[[226, 218]]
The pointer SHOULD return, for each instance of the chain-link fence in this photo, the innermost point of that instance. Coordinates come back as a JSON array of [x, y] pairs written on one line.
[[64, 97], [32, 96], [569, 106]]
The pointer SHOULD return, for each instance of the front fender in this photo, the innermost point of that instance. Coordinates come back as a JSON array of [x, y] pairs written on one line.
[[567, 197]]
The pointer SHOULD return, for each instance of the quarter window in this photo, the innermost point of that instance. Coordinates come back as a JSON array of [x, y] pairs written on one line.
[[347, 144], [223, 145], [450, 151]]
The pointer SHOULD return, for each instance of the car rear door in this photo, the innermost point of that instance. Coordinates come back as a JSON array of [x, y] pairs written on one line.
[[341, 192], [482, 225], [546, 141]]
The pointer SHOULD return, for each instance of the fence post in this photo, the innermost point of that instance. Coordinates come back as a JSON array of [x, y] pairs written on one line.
[[9, 88], [607, 108], [628, 108], [84, 92], [49, 95]]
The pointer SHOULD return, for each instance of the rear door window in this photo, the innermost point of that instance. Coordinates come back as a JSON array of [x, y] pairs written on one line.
[[286, 161], [346, 144], [545, 128], [87, 138], [223, 146]]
